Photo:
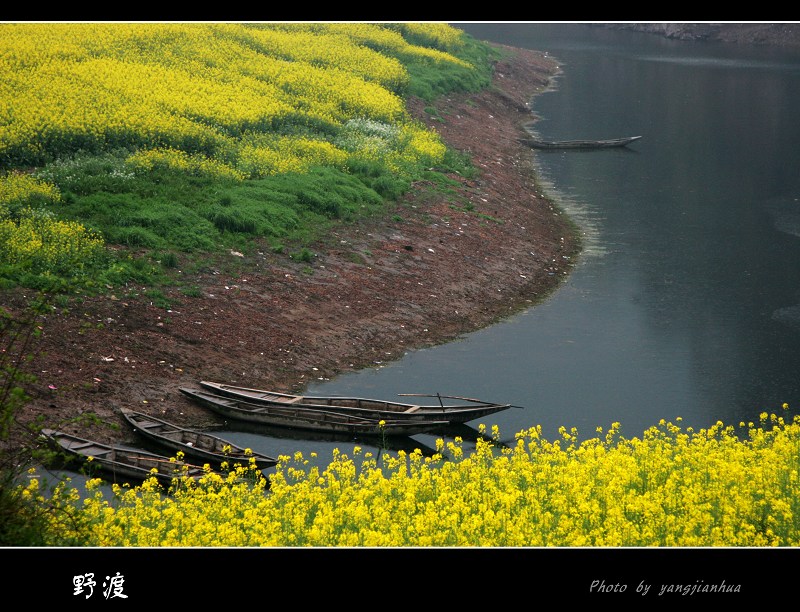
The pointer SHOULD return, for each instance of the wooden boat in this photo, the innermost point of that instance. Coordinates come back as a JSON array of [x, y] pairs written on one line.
[[449, 408], [578, 144], [312, 419], [119, 464], [198, 445]]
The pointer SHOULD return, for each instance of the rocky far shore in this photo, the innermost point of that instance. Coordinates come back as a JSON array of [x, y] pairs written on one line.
[[778, 33], [438, 265]]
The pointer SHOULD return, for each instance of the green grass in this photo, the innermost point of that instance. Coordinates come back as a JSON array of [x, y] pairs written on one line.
[[162, 217], [169, 210], [430, 81]]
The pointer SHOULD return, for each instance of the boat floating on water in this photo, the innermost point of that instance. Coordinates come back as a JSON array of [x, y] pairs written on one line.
[[312, 419], [119, 464], [578, 144], [198, 445], [448, 408]]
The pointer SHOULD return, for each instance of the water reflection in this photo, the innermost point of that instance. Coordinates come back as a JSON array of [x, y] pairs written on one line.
[[287, 441]]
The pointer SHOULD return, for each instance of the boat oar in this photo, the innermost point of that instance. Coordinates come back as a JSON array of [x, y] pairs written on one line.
[[466, 399]]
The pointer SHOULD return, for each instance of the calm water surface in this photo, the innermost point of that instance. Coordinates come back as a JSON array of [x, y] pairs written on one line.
[[686, 300]]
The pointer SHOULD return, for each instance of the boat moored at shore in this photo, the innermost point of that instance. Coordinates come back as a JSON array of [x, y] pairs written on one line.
[[447, 408]]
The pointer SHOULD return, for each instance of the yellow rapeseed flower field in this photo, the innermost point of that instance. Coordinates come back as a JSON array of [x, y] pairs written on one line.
[[32, 236], [202, 88], [722, 486]]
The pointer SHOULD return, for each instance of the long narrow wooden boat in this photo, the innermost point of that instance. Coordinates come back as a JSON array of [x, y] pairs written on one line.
[[299, 417], [197, 445], [578, 144], [448, 408], [118, 464]]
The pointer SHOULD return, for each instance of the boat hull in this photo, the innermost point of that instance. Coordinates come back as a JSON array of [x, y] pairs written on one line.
[[200, 446], [118, 464], [462, 412], [299, 417], [578, 144]]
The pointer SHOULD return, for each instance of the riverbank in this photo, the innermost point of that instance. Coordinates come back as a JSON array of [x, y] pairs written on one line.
[[437, 266]]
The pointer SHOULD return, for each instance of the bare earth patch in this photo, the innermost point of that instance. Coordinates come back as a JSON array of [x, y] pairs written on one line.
[[434, 268]]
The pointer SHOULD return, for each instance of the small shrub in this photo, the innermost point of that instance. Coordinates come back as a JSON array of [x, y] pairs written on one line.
[[134, 237], [232, 220], [158, 299], [303, 255], [169, 260], [192, 292]]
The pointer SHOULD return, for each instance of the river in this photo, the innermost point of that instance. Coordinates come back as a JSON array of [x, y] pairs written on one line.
[[685, 303]]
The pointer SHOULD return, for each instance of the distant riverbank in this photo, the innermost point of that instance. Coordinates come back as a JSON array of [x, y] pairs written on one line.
[[777, 34]]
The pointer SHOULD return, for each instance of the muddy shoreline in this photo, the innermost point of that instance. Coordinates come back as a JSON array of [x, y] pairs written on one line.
[[436, 266]]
